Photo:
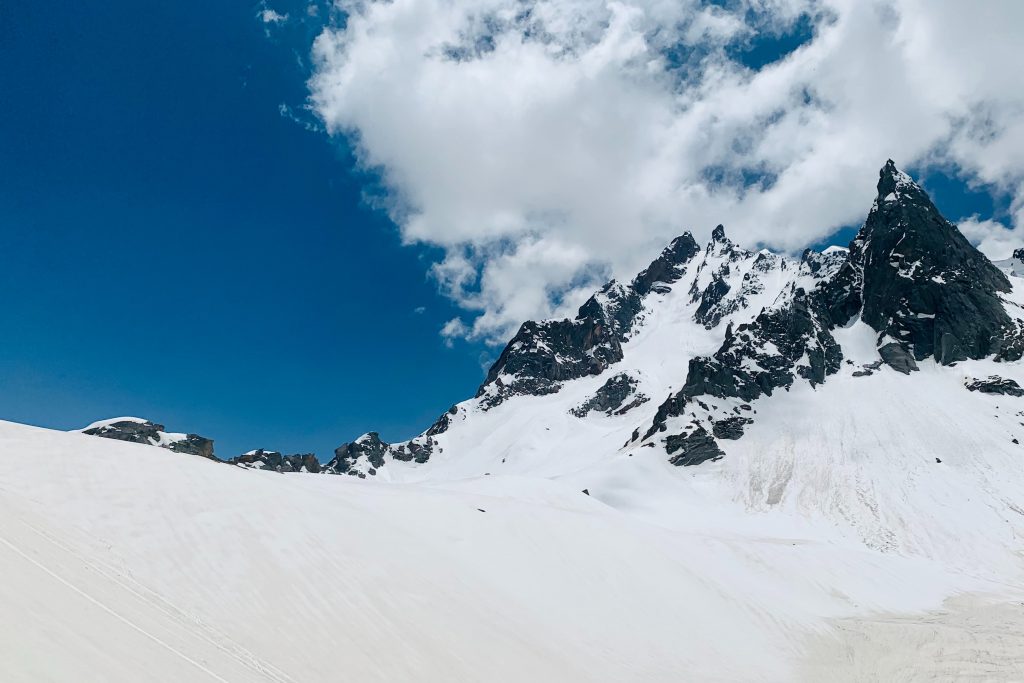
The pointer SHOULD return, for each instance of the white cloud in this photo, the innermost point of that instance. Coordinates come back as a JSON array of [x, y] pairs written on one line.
[[993, 238], [452, 330], [548, 144], [269, 16]]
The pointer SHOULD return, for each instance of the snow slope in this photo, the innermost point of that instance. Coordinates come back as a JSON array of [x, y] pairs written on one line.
[[152, 565]]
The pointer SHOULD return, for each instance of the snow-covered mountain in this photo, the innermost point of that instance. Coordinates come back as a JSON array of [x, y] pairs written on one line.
[[872, 388], [738, 466], [681, 358]]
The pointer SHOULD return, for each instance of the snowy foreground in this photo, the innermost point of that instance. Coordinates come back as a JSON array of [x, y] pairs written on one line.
[[127, 562]]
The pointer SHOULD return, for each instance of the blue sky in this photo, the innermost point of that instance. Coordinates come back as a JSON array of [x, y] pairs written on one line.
[[176, 248]]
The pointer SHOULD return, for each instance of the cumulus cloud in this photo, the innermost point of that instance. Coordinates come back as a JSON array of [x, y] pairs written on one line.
[[546, 145]]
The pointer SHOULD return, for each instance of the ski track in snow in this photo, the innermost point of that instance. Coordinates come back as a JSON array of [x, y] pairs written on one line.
[[55, 552]]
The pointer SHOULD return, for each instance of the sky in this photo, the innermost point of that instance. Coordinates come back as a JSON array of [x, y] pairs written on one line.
[[174, 248], [283, 224]]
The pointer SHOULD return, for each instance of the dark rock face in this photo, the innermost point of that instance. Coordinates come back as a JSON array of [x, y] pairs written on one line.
[[273, 460], [543, 354], [922, 285], [766, 354], [695, 445], [442, 423], [996, 385], [612, 396], [730, 428], [153, 434], [669, 266], [709, 313]]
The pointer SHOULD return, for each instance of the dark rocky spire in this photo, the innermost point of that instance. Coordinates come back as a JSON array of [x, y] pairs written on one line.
[[923, 286]]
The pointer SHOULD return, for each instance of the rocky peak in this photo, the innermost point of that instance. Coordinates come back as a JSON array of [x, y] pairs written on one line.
[[730, 277], [720, 245], [910, 275], [543, 354], [892, 181], [922, 286], [669, 266]]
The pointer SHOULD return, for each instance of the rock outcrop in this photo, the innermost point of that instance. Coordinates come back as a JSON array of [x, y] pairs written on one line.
[[616, 396], [260, 459], [995, 385], [138, 430]]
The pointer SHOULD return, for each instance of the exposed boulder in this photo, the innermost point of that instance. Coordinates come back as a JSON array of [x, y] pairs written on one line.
[[897, 357], [995, 385]]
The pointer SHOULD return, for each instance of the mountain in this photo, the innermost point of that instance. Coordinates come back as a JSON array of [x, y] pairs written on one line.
[[866, 387], [676, 358], [737, 466]]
